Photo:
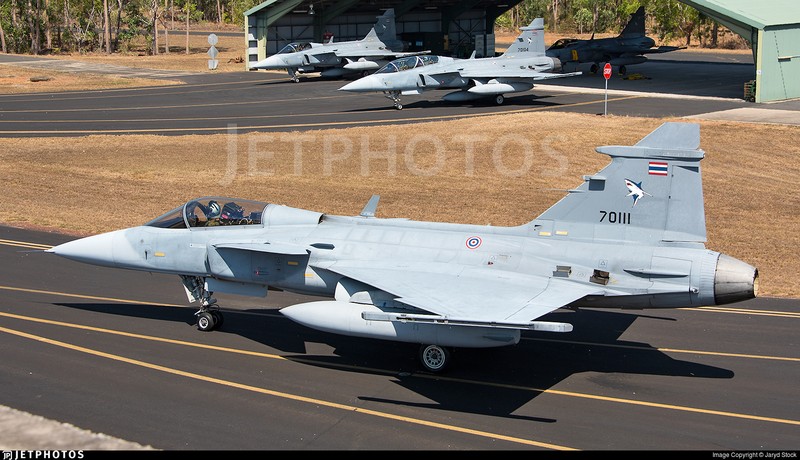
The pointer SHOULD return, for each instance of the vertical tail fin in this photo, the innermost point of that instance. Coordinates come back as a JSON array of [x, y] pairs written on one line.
[[651, 192], [530, 42], [385, 27], [635, 27]]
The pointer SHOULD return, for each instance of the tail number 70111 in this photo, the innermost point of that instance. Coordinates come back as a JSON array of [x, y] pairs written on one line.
[[615, 217]]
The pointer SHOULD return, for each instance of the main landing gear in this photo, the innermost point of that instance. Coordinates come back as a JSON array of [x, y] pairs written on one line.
[[395, 97], [434, 358], [595, 68], [209, 317]]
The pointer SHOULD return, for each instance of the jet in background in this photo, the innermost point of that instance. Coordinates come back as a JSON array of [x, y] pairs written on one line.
[[628, 48], [630, 236], [336, 59], [516, 70]]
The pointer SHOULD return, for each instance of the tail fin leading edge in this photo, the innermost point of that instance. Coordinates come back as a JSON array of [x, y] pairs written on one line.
[[635, 27], [650, 192], [385, 27], [530, 41]]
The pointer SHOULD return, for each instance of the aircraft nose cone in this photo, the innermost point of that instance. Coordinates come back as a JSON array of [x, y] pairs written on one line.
[[365, 84], [96, 250], [271, 62]]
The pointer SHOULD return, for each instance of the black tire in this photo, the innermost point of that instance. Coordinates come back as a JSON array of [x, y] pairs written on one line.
[[434, 358], [205, 322], [218, 318], [499, 99], [594, 68], [622, 70], [398, 106]]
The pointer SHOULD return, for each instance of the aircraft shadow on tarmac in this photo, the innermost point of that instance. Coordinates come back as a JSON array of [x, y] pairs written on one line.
[[517, 374], [522, 101]]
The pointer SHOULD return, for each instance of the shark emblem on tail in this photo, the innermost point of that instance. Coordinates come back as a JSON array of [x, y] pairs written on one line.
[[635, 190]]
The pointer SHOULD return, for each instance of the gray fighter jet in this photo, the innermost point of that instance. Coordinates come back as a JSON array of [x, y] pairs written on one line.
[[630, 236], [336, 59], [628, 48], [516, 70]]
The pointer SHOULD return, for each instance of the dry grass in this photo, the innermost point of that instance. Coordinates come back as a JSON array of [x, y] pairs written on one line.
[[230, 49], [99, 183], [15, 79]]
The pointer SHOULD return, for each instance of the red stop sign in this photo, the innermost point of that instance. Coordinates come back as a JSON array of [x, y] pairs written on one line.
[[607, 71]]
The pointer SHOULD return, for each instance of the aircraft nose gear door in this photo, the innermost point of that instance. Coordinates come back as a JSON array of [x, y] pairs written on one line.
[[208, 317]]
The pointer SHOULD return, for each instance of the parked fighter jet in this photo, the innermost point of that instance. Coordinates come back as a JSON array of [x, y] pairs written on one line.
[[335, 59], [627, 48], [446, 285], [514, 71]]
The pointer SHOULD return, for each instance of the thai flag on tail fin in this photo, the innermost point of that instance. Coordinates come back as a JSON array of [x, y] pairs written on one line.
[[657, 168]]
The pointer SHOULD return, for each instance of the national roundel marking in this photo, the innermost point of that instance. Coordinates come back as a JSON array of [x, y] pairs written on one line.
[[474, 242]]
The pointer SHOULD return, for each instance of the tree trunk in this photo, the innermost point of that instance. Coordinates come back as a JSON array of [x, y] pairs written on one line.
[[106, 27], [2, 38], [155, 27], [48, 34], [714, 34], [166, 34], [38, 26], [187, 26], [219, 13], [555, 15], [34, 41], [119, 23]]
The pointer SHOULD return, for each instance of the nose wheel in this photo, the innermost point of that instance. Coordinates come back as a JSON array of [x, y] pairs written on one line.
[[208, 316], [395, 97], [208, 319]]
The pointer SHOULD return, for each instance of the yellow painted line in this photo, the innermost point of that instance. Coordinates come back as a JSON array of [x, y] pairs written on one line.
[[142, 336], [87, 297], [438, 377], [24, 244], [161, 107], [670, 350], [280, 394], [319, 124], [139, 90], [743, 311]]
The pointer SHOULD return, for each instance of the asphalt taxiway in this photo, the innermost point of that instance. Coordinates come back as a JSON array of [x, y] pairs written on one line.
[[116, 353], [268, 101]]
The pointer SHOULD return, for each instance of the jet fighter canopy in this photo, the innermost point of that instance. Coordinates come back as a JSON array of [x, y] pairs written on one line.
[[294, 47], [562, 43], [408, 63], [212, 211]]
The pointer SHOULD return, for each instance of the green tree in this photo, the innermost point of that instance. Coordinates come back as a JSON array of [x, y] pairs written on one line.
[[675, 20]]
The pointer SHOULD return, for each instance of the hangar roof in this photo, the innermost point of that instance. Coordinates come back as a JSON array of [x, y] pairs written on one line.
[[400, 6], [756, 14]]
